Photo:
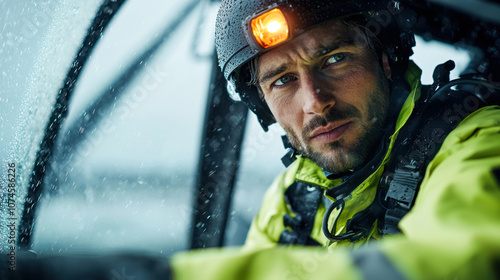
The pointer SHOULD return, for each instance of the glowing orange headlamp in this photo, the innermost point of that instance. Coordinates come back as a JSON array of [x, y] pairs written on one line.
[[270, 28]]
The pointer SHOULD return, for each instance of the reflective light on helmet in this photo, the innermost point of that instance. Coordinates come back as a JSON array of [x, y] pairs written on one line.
[[270, 28]]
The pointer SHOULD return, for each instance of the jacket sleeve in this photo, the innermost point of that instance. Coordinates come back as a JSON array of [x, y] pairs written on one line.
[[452, 232]]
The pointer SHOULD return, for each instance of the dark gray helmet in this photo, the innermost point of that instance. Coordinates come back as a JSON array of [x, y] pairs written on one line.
[[236, 43]]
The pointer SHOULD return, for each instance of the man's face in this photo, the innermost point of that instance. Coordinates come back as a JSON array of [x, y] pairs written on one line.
[[329, 93]]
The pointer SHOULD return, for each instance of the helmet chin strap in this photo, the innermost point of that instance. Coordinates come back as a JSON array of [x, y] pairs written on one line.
[[291, 152]]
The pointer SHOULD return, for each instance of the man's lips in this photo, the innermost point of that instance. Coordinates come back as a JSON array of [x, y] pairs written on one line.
[[330, 132]]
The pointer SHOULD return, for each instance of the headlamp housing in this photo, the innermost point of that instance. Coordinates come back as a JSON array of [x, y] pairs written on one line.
[[267, 29]]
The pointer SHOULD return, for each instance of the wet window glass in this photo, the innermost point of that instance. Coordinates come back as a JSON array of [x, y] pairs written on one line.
[[126, 162], [38, 43]]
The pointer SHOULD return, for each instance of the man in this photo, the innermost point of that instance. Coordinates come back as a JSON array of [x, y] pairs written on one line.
[[375, 154]]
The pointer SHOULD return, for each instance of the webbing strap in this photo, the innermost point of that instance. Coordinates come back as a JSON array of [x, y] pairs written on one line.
[[418, 143], [304, 201]]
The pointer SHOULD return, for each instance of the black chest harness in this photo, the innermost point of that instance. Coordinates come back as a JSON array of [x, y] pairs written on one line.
[[438, 111]]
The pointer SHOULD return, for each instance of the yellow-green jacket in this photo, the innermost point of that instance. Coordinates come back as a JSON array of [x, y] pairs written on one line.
[[452, 231]]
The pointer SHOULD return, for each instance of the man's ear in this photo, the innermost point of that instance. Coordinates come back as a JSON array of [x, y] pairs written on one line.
[[386, 66]]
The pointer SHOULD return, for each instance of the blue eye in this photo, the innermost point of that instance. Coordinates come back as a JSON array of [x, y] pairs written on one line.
[[335, 58], [283, 80]]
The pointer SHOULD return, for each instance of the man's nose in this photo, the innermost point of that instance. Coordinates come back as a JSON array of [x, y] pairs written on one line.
[[318, 97]]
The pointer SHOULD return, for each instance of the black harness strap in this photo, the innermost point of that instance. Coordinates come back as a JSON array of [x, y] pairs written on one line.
[[304, 201], [419, 141]]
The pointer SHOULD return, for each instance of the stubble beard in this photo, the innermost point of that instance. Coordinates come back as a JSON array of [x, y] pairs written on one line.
[[341, 158]]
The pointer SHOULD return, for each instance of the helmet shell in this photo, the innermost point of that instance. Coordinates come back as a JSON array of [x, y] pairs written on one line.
[[232, 40], [235, 47]]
